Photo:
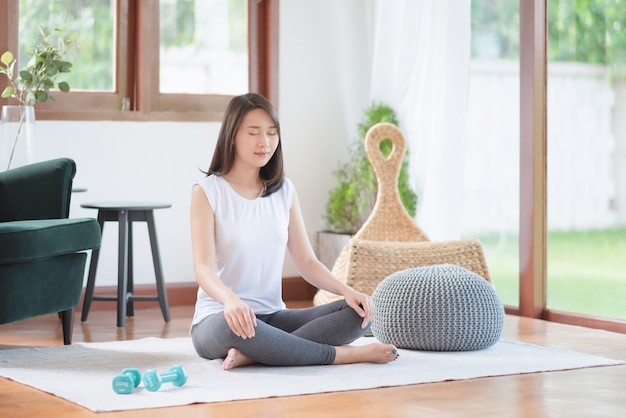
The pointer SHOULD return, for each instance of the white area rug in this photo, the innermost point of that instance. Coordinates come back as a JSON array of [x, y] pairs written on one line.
[[82, 373]]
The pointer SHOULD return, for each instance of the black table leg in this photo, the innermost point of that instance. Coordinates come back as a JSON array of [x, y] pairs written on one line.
[[122, 271], [158, 271], [130, 291]]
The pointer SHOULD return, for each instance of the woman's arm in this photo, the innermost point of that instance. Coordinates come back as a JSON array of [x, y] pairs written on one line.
[[239, 316], [315, 272]]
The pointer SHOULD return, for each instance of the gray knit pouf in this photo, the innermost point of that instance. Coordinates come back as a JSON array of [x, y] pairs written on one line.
[[437, 308]]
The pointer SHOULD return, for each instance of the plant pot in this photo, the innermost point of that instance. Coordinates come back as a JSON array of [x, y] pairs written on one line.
[[329, 245], [17, 136]]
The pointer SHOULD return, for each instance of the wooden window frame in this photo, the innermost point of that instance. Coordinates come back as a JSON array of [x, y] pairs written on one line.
[[533, 176], [137, 69]]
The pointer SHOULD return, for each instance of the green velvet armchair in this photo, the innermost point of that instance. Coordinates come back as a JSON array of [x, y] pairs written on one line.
[[42, 250]]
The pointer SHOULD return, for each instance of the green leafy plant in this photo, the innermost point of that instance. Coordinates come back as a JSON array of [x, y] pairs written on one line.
[[33, 83], [351, 201]]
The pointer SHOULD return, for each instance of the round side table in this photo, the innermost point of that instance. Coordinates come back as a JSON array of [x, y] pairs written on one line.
[[125, 213]]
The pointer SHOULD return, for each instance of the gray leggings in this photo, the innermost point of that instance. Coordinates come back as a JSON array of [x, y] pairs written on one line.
[[290, 337]]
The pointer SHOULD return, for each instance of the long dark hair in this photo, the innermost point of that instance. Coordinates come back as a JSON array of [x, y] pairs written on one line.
[[224, 155]]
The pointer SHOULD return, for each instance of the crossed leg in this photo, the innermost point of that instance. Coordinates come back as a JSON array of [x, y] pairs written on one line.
[[317, 335]]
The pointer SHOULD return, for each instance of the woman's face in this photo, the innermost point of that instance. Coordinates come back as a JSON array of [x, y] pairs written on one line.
[[256, 139]]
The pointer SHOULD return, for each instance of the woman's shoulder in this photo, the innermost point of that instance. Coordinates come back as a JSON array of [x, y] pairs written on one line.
[[286, 186], [287, 183], [212, 185], [287, 190], [209, 180], [212, 182]]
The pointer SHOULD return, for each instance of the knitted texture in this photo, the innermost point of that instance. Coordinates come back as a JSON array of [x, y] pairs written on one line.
[[437, 308]]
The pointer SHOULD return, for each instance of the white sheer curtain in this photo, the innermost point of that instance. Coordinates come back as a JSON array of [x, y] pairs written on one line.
[[420, 64]]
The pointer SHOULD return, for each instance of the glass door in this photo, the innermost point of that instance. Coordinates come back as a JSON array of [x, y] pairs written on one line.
[[586, 255]]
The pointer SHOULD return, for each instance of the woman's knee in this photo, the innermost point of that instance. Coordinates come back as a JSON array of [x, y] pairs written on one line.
[[210, 337]]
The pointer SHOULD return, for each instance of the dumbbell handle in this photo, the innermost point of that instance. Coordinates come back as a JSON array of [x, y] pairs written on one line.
[[168, 376]]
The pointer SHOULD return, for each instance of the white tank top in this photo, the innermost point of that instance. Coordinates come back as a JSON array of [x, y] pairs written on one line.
[[251, 240]]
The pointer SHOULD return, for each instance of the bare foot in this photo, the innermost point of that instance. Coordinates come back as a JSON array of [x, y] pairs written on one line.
[[371, 353], [235, 358]]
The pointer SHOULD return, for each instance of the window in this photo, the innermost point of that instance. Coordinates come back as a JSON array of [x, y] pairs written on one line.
[[541, 294], [586, 211], [571, 195], [150, 59]]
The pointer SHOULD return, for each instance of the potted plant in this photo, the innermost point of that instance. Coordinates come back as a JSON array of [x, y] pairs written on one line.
[[30, 86], [352, 199]]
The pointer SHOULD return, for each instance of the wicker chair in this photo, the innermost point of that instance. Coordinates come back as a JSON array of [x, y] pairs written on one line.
[[390, 240]]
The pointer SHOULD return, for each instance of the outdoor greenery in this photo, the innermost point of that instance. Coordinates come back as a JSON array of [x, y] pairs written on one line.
[[585, 270], [178, 24], [351, 201], [93, 23], [589, 31]]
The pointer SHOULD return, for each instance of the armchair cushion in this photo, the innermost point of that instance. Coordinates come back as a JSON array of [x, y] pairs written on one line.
[[22, 241]]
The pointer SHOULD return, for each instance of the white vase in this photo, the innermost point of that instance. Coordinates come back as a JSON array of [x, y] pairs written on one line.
[[17, 136]]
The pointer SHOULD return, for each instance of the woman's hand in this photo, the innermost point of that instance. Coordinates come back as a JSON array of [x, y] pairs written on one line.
[[240, 317], [362, 304]]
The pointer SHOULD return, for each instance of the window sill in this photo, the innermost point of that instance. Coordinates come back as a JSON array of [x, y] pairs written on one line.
[[111, 115]]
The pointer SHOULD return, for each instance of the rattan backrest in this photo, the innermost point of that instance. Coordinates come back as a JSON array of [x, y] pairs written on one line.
[[389, 220]]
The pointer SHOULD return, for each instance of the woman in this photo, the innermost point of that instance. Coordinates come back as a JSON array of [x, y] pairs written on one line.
[[244, 214]]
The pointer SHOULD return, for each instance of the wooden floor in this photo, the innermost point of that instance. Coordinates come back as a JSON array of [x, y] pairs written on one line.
[[591, 392]]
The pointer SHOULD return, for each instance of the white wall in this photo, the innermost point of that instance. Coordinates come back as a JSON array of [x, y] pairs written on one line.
[[322, 91], [135, 161], [324, 79]]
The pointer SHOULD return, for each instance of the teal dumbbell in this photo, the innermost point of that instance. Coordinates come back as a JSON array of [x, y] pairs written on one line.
[[125, 382], [153, 380]]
